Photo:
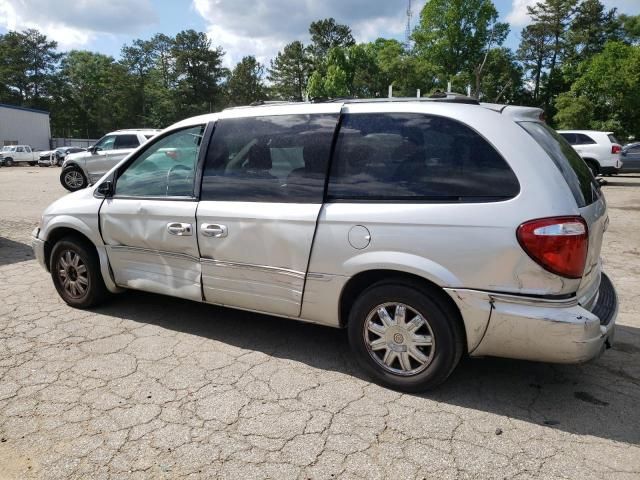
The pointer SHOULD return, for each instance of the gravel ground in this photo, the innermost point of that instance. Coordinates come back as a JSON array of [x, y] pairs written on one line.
[[154, 387]]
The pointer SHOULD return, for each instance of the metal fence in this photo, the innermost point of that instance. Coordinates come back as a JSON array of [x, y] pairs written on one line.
[[71, 142]]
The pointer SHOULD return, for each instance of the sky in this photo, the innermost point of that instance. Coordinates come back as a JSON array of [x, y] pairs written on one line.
[[241, 27]]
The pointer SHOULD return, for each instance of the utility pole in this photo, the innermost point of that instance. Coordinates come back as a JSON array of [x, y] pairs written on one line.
[[407, 32]]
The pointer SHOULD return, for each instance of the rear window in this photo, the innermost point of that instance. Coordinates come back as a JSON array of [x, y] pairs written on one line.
[[613, 139], [416, 157], [574, 170], [126, 141]]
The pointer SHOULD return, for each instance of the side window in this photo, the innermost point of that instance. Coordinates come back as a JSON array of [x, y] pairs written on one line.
[[164, 169], [106, 142], [20, 149], [569, 137], [27, 149], [126, 141], [269, 159], [582, 139], [397, 156]]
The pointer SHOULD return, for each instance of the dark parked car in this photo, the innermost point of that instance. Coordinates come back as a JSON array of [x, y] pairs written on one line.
[[58, 155], [631, 158]]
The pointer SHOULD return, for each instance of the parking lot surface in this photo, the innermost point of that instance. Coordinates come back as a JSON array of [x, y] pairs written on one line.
[[154, 387]]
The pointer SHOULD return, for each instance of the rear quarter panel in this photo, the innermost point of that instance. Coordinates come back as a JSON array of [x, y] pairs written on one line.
[[458, 245]]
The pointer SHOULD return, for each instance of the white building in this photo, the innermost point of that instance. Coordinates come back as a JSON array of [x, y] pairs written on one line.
[[24, 126]]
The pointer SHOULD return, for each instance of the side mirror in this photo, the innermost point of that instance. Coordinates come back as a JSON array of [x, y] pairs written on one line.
[[105, 189]]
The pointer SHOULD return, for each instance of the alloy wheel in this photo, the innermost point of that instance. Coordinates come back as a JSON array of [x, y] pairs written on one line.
[[399, 339], [72, 273], [73, 179]]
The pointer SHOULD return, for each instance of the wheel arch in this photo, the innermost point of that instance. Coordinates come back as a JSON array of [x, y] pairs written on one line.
[[60, 231], [365, 279]]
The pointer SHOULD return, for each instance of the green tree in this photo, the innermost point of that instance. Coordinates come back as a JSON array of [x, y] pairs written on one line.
[[245, 83], [95, 95], [573, 112], [200, 74], [289, 72], [13, 67], [456, 35], [139, 60], [162, 46], [502, 82], [552, 18], [533, 53], [590, 29], [325, 35], [630, 28], [615, 97], [41, 64]]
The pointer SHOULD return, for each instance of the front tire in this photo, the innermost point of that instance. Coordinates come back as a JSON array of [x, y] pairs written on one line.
[[75, 271], [8, 162], [73, 179], [407, 338]]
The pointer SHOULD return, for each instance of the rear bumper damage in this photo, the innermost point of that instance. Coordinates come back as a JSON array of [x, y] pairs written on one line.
[[556, 331]]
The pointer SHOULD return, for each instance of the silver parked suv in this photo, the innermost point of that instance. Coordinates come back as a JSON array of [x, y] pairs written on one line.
[[428, 229], [82, 169]]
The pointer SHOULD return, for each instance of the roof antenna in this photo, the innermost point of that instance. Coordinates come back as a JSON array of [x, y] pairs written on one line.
[[407, 32]]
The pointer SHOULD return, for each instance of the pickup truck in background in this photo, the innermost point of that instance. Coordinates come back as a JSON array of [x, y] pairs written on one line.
[[12, 154]]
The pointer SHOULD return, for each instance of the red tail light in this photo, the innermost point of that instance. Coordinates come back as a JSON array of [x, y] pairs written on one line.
[[558, 244], [616, 148]]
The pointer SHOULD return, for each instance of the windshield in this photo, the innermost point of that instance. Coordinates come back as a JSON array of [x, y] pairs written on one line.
[[574, 170], [8, 149]]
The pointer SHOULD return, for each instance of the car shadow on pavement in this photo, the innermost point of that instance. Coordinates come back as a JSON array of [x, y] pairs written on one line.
[[596, 399], [613, 183], [14, 252]]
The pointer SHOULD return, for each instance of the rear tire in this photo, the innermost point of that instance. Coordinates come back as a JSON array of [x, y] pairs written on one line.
[[75, 271], [32, 164], [72, 178], [406, 337]]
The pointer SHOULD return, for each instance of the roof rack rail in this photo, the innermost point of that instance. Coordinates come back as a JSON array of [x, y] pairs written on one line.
[[444, 97]]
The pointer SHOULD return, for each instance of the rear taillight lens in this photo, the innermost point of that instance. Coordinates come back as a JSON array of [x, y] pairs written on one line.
[[558, 244], [616, 148]]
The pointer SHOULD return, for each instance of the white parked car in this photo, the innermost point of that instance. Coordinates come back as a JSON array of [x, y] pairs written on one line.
[[84, 168], [428, 229], [601, 150], [10, 155]]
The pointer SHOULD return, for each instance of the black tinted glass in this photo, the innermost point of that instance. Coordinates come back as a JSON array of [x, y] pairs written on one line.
[[126, 141], [573, 169], [269, 159], [583, 139], [417, 157], [569, 137]]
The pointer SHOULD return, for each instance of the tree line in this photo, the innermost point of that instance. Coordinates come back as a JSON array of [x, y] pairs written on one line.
[[577, 60]]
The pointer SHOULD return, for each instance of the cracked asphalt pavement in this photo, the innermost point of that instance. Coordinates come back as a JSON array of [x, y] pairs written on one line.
[[154, 387]]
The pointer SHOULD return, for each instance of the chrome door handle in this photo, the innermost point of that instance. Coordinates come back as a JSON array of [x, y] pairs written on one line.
[[213, 230], [180, 229]]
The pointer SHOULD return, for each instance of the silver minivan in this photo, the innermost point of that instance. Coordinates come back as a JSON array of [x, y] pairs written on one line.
[[427, 228]]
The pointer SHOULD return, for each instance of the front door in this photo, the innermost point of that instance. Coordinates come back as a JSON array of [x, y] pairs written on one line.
[[149, 224], [262, 191], [97, 161], [123, 146]]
